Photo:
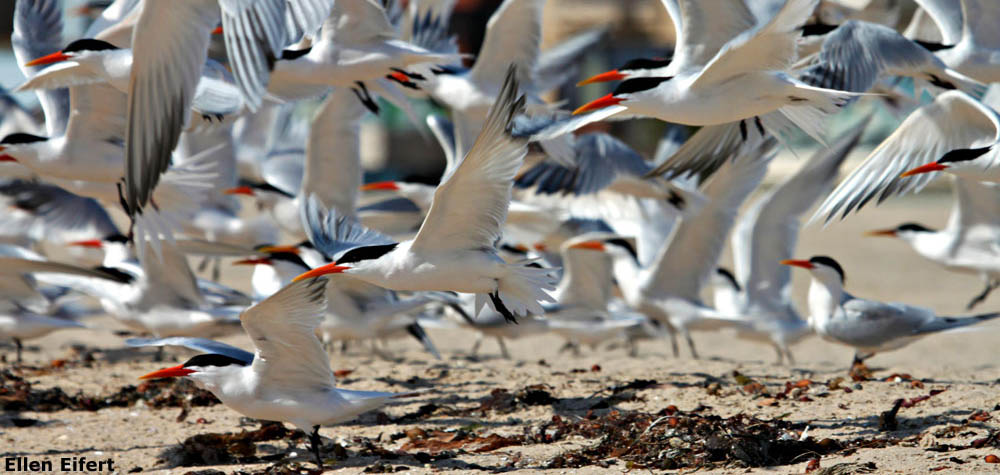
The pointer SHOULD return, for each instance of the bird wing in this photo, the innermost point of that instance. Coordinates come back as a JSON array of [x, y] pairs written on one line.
[[556, 65], [283, 328], [332, 169], [857, 53], [770, 46], [444, 131], [333, 234], [59, 210], [170, 279], [169, 47], [203, 345], [96, 113], [357, 22], [513, 36], [38, 32], [19, 266], [947, 14], [692, 250], [872, 324], [110, 16], [587, 278], [709, 148], [975, 217], [470, 205], [304, 17], [953, 121], [768, 231], [600, 160], [704, 27]]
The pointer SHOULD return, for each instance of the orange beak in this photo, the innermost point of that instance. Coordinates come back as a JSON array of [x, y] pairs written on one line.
[[380, 185], [399, 76], [217, 30], [798, 263], [6, 158], [239, 190], [882, 232], [608, 76], [172, 372], [600, 103], [253, 261], [540, 247], [92, 243], [321, 270], [591, 245], [48, 59], [930, 167]]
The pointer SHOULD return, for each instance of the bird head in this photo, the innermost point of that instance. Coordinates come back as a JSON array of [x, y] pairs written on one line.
[[904, 231], [615, 246], [823, 268], [209, 370], [81, 49], [19, 146], [628, 90], [635, 68], [953, 161]]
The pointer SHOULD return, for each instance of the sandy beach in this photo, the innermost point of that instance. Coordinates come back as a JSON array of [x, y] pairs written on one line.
[[550, 411]]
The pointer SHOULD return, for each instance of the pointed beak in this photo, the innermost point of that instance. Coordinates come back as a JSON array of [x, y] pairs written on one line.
[[276, 249], [881, 232], [91, 243], [380, 185], [398, 76], [48, 59], [798, 263], [6, 158], [321, 270], [600, 103], [608, 76], [172, 372], [253, 261], [591, 245], [930, 167], [239, 190], [217, 30]]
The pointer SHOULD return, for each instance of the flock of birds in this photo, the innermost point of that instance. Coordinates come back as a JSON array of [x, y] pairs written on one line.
[[537, 225]]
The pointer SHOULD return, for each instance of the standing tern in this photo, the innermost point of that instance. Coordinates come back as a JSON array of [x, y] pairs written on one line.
[[970, 242], [868, 326], [289, 378], [455, 249]]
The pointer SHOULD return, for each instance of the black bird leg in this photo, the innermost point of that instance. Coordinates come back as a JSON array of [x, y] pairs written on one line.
[[501, 308], [991, 285], [314, 442], [20, 347]]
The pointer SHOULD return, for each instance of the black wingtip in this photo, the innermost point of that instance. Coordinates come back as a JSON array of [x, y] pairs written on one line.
[[501, 308]]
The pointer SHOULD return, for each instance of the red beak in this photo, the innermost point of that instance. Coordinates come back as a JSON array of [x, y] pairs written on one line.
[[93, 243], [592, 245], [172, 372], [882, 232], [608, 76], [798, 263], [399, 76], [600, 103], [48, 59], [380, 185], [217, 30], [7, 158], [930, 167], [239, 190], [321, 270]]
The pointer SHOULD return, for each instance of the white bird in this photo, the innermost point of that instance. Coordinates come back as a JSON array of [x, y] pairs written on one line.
[[455, 249], [20, 324], [728, 68], [955, 133], [766, 233], [970, 242], [970, 42], [868, 326], [289, 377]]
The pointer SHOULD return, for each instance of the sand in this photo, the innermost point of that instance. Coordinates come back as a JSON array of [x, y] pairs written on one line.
[[962, 364]]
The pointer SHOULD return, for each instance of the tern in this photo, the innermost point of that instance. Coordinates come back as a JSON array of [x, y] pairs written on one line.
[[455, 249], [20, 324], [969, 41], [954, 133], [288, 378], [727, 68], [970, 242], [868, 326]]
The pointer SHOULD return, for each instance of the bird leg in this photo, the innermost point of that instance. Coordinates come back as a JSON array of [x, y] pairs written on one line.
[[158, 357], [501, 308], [673, 344], [365, 97], [475, 346], [991, 284], [778, 351], [20, 347], [687, 336], [503, 348], [789, 357], [314, 442]]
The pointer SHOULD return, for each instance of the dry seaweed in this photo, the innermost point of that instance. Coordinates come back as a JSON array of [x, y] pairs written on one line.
[[16, 394]]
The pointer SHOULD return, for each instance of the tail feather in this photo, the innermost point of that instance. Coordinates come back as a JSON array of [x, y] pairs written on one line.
[[815, 104], [950, 323], [418, 332], [523, 288]]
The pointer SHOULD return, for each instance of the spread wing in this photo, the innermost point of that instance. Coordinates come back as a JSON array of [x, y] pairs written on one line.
[[470, 206], [704, 27], [513, 36], [283, 328], [333, 158], [38, 32]]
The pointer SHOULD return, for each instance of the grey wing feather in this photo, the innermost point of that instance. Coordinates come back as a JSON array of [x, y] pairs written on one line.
[[332, 234], [203, 345], [37, 32], [600, 158], [59, 209], [304, 17], [561, 62]]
